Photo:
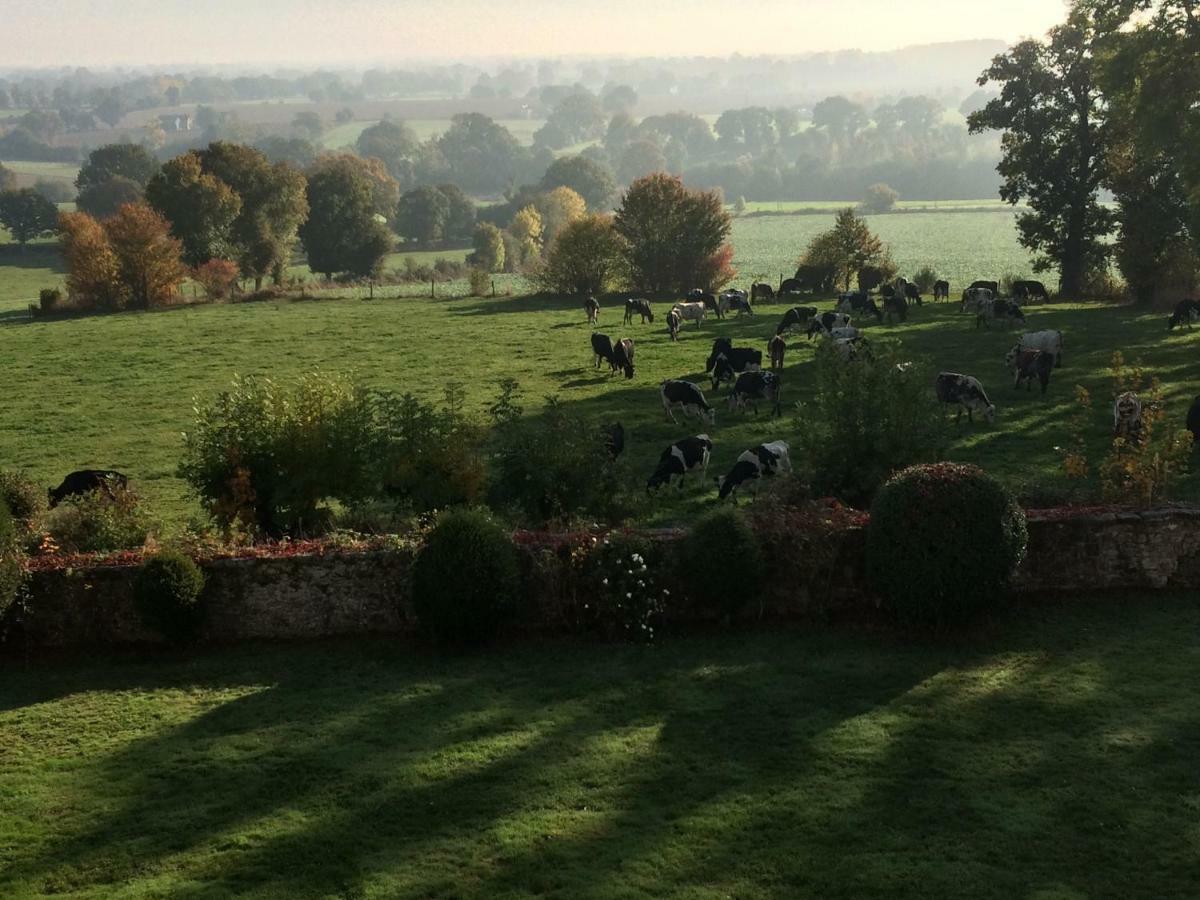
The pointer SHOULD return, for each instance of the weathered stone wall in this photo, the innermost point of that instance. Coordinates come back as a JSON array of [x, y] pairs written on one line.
[[365, 593]]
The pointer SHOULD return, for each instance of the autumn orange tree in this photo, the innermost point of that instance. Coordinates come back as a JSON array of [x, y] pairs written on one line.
[[91, 264]]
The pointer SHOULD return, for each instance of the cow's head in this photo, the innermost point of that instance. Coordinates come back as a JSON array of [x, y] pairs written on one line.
[[989, 413], [1010, 358]]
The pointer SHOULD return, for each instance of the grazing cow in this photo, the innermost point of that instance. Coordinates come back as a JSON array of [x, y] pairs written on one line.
[[602, 349], [998, 310], [912, 293], [691, 312], [752, 387], [638, 307], [1028, 291], [739, 300], [796, 317], [673, 320], [1127, 416], [967, 393], [592, 308], [761, 291], [1193, 422], [623, 356], [736, 361], [851, 348], [688, 397], [614, 439], [720, 345], [765, 459], [1030, 364], [843, 333], [895, 306], [941, 290], [776, 348], [696, 295], [1186, 312], [680, 458], [826, 322], [973, 298], [790, 286], [859, 302], [85, 481], [993, 286], [1050, 341]]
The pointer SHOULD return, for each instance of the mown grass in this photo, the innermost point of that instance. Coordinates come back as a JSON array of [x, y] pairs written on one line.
[[1052, 755]]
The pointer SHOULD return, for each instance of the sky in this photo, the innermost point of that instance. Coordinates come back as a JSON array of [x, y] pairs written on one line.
[[262, 33]]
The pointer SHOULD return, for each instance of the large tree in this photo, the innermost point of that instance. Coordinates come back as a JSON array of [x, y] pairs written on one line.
[[422, 215], [200, 207], [1054, 144], [27, 215], [844, 249], [91, 264], [589, 179], [586, 258], [343, 232], [482, 155], [130, 161], [104, 198], [392, 142], [149, 264], [672, 234]]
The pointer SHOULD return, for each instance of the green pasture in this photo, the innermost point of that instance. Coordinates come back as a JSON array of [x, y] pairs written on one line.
[[1051, 755], [345, 135]]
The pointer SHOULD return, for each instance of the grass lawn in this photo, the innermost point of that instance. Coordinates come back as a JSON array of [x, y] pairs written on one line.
[[1052, 756]]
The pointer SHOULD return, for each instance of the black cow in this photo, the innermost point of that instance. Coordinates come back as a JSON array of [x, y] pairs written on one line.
[[993, 286], [720, 345], [673, 320], [1186, 312], [912, 293], [895, 306], [623, 357], [818, 279], [941, 290], [791, 286], [887, 292], [85, 481], [796, 317], [826, 322], [752, 387], [1193, 422], [1030, 364], [592, 308], [1029, 290], [967, 393], [680, 458], [602, 349], [614, 439], [859, 302], [638, 307], [761, 291], [688, 397], [733, 362]]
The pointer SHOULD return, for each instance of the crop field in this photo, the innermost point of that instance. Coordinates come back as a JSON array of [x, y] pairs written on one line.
[[29, 172]]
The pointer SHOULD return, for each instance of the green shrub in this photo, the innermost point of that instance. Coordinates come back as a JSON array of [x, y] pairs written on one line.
[[720, 562], [99, 522], [465, 580], [862, 421], [166, 593], [12, 569], [480, 282], [943, 543], [49, 299], [24, 499]]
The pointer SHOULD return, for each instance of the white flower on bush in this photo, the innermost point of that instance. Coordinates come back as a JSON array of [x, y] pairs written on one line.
[[605, 581]]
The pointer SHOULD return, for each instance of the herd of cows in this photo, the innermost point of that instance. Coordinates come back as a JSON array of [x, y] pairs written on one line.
[[1034, 356]]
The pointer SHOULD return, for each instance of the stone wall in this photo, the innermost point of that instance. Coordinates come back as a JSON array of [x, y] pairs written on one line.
[[366, 593]]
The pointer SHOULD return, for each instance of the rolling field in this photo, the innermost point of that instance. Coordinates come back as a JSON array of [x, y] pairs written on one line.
[[345, 135]]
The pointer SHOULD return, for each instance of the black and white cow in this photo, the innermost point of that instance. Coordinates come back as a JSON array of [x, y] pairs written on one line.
[[85, 481], [736, 300], [1028, 291], [1127, 416], [733, 362], [592, 308], [602, 349], [967, 393], [743, 472], [710, 301], [974, 297], [751, 387], [825, 323], [993, 286], [614, 439], [1193, 422], [682, 457], [1187, 312], [1006, 312], [859, 303], [941, 290], [638, 308], [1050, 341], [720, 345], [623, 356], [853, 348], [761, 291], [912, 293], [776, 349], [772, 457], [673, 320], [1030, 364], [796, 317], [688, 397], [690, 312]]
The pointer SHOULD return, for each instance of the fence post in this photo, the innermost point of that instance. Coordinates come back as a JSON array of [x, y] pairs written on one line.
[[431, 286], [493, 287]]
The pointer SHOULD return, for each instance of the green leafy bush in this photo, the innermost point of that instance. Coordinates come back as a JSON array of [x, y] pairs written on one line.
[[864, 420], [629, 602], [49, 299], [943, 543], [465, 580], [12, 569], [166, 593], [24, 499], [480, 282], [99, 522], [720, 562]]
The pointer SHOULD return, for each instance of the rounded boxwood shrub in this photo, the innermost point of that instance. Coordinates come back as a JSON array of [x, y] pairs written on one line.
[[943, 543], [11, 569], [466, 579], [720, 562], [166, 592]]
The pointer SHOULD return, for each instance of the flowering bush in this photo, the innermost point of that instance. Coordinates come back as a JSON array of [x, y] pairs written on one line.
[[629, 601]]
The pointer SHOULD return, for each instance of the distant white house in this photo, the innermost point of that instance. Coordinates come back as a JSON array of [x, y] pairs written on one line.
[[175, 122]]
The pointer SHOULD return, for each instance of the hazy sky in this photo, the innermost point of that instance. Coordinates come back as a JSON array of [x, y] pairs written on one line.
[[265, 32]]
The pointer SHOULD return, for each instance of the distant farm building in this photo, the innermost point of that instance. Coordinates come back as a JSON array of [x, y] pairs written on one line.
[[175, 122]]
